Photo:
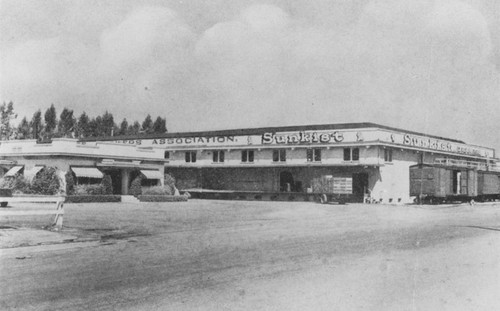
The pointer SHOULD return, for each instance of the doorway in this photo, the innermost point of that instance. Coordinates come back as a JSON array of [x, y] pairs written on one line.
[[286, 182], [359, 185], [116, 180]]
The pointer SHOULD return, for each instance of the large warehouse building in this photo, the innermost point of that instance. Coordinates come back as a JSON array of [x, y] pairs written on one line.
[[365, 160]]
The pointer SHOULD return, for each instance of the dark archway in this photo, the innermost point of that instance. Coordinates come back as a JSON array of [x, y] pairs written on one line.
[[359, 185], [286, 182], [116, 180]]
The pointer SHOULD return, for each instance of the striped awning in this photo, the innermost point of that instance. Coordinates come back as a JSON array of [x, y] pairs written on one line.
[[13, 171], [89, 172], [150, 174], [30, 174]]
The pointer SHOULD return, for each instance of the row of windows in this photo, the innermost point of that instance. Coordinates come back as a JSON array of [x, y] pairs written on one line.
[[279, 155]]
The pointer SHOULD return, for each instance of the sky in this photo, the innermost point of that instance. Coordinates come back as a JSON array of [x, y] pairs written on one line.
[[431, 66]]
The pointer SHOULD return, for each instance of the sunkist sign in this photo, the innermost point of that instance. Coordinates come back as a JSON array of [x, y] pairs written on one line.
[[440, 145], [302, 138]]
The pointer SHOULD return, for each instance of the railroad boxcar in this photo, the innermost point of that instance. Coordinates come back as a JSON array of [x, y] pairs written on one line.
[[488, 186], [439, 184]]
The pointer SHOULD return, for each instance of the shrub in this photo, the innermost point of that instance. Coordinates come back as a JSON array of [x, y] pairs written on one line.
[[70, 183], [135, 187], [107, 185], [89, 189], [169, 182], [162, 198], [157, 190], [18, 184], [46, 182], [92, 198]]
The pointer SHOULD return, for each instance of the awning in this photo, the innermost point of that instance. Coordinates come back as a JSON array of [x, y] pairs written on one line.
[[89, 172], [30, 174], [13, 171], [152, 174]]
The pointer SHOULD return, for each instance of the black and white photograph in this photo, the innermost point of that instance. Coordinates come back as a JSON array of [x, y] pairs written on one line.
[[250, 155]]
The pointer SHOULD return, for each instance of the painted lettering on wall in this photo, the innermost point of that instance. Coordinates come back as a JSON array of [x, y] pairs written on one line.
[[436, 144], [179, 140], [302, 138]]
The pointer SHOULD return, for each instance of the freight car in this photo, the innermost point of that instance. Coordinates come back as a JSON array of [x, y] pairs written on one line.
[[440, 184]]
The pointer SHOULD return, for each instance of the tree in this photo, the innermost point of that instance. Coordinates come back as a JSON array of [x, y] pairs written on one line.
[[6, 114], [94, 127], [136, 187], [134, 129], [108, 124], [66, 123], [123, 128], [160, 125], [82, 126], [24, 129], [70, 183], [50, 120], [107, 184], [36, 125], [147, 124], [46, 182]]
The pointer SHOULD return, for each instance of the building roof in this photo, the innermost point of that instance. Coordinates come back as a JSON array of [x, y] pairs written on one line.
[[262, 130]]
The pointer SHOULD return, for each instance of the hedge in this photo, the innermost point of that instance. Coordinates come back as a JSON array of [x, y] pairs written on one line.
[[162, 198], [92, 198]]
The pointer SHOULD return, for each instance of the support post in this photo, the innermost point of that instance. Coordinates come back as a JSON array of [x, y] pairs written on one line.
[[125, 181], [58, 219]]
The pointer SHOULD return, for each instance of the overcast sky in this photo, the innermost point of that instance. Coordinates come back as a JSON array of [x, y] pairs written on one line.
[[423, 65]]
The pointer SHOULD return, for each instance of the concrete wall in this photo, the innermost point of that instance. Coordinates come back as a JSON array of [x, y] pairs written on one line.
[[392, 182]]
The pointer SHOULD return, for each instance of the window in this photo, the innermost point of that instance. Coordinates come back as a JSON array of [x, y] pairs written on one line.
[[167, 155], [314, 155], [191, 156], [279, 155], [388, 155], [247, 156], [351, 154], [218, 156], [347, 154]]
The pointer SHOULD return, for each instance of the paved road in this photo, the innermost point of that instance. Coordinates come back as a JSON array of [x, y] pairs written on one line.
[[223, 255]]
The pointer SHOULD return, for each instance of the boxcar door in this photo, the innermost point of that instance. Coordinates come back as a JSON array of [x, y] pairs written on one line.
[[463, 183]]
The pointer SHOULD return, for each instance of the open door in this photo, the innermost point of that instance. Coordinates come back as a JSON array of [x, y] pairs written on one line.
[[359, 186], [286, 182]]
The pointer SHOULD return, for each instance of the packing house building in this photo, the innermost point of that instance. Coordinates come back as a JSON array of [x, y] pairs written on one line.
[[362, 160], [365, 160]]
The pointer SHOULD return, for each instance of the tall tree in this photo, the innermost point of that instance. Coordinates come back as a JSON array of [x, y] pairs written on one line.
[[108, 124], [134, 129], [6, 114], [82, 126], [66, 125], [123, 127], [50, 120], [24, 129], [147, 124], [36, 125], [160, 125]]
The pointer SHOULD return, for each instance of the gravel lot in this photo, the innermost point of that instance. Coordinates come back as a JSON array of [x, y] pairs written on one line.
[[237, 255]]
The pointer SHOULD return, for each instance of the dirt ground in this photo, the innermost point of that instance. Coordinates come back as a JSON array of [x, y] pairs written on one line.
[[237, 255]]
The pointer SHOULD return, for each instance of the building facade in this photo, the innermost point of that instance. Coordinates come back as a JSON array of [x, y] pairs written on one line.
[[88, 161], [365, 160]]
